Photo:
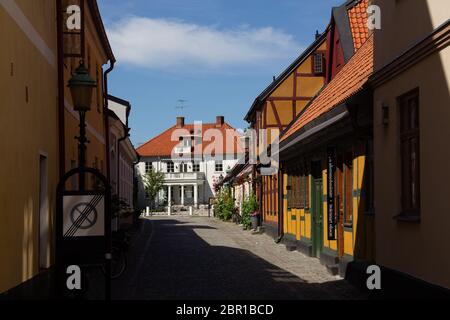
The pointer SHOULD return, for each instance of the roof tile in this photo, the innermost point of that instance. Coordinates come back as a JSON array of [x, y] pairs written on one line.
[[162, 145]]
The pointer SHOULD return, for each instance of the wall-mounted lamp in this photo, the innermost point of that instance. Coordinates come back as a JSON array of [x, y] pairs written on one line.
[[385, 114]]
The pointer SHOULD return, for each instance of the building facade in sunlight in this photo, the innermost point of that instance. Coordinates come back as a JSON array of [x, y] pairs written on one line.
[[122, 157], [274, 109], [39, 124], [326, 152], [193, 158], [411, 130], [29, 130]]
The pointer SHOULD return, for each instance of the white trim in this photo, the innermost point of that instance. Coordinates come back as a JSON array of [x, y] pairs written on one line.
[[19, 17], [91, 129]]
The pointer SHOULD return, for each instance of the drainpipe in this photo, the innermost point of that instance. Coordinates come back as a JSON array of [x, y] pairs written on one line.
[[60, 66], [280, 207], [127, 134], [106, 118]]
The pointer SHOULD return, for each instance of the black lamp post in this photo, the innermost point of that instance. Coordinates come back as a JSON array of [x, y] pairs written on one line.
[[81, 87]]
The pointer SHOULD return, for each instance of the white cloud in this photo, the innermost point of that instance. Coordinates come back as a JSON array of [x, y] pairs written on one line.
[[162, 44]]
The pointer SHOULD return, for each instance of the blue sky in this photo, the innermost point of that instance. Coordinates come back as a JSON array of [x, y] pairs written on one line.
[[216, 54]]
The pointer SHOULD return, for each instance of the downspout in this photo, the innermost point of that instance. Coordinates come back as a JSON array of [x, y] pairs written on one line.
[[60, 66], [127, 134], [280, 207], [106, 118]]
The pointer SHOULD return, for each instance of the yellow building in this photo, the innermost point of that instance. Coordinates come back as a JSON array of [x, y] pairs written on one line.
[[29, 143], [275, 108], [326, 153], [411, 130], [38, 125], [95, 51]]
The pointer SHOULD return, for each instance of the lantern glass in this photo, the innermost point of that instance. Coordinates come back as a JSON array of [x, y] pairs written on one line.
[[82, 97], [81, 87]]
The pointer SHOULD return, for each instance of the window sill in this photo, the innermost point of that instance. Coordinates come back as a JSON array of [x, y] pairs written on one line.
[[407, 217], [348, 225]]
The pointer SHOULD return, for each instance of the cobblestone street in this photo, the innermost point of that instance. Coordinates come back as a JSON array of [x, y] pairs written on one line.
[[203, 258]]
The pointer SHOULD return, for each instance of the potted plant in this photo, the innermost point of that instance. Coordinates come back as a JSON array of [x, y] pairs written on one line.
[[255, 219]]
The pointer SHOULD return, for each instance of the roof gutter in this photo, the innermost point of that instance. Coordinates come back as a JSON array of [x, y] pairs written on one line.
[[307, 133]]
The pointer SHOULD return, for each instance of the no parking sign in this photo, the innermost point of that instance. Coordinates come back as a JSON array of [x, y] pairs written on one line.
[[83, 215]]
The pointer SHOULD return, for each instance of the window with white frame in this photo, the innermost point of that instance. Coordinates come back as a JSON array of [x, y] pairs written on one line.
[[196, 167], [170, 167], [219, 166], [148, 167]]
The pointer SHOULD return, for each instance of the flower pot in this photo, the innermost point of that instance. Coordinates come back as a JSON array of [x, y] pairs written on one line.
[[255, 222]]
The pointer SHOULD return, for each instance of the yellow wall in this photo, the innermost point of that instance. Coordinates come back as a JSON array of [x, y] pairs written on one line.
[[419, 249], [28, 129], [28, 67]]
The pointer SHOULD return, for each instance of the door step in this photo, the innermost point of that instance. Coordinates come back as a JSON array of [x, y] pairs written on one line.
[[333, 269]]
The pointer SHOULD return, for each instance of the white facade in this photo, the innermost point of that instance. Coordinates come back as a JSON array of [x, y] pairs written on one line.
[[122, 154], [184, 185]]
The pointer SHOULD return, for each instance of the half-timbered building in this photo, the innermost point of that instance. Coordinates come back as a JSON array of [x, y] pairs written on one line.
[[326, 153], [275, 108]]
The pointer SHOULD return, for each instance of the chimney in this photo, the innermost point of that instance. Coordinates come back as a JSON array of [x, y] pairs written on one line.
[[220, 120], [317, 34], [180, 122]]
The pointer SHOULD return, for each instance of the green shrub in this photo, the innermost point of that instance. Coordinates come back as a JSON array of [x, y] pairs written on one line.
[[224, 206], [249, 206]]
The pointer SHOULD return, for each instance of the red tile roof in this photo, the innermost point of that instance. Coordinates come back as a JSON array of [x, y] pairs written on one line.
[[347, 82], [358, 16], [162, 145]]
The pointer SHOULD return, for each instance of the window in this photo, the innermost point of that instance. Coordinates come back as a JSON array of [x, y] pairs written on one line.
[[219, 166], [148, 167], [318, 63], [298, 191], [183, 167], [410, 153], [196, 167], [170, 167]]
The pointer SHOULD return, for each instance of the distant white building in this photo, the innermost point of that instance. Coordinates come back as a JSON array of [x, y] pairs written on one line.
[[122, 154], [193, 157]]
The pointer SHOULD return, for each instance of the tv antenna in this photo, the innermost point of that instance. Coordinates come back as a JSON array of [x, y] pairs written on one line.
[[181, 105]]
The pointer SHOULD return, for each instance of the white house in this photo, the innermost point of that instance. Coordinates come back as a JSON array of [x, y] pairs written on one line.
[[122, 154], [193, 157]]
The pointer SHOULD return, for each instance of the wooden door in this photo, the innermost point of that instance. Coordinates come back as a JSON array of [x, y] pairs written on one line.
[[317, 217]]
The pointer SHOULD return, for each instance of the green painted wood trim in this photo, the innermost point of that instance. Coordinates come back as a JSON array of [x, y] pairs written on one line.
[[290, 236], [329, 250], [305, 240]]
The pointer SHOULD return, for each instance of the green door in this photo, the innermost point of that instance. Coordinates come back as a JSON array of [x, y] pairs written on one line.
[[317, 217]]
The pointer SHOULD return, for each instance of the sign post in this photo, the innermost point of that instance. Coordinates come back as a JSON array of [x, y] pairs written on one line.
[[83, 229]]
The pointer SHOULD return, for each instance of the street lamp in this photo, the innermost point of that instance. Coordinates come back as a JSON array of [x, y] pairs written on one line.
[[81, 88]]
